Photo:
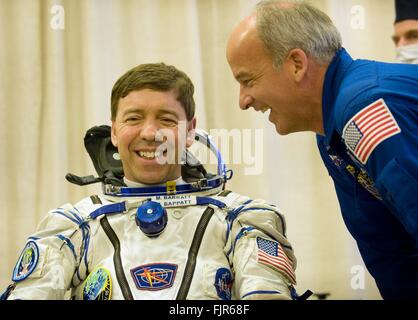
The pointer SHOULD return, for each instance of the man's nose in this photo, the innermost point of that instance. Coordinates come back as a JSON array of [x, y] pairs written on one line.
[[149, 130], [245, 99], [402, 42]]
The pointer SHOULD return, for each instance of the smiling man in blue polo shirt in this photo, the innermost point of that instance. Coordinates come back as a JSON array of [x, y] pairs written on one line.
[[288, 58]]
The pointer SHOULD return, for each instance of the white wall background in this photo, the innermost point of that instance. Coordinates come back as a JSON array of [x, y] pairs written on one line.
[[55, 84]]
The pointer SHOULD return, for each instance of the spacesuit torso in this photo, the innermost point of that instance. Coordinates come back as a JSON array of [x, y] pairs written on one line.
[[214, 246]]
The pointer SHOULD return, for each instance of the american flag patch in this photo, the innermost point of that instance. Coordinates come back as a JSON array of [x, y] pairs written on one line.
[[271, 253], [368, 128]]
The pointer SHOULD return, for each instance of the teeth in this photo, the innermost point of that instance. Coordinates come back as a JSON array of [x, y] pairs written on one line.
[[148, 154]]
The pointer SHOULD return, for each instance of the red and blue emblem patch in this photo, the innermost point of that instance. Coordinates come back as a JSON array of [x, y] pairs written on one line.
[[154, 276]]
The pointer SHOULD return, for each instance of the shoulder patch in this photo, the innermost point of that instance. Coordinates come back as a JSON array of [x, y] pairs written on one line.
[[368, 128], [272, 254], [27, 262]]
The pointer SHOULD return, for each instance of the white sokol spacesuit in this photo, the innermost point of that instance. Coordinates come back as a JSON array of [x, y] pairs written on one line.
[[213, 244]]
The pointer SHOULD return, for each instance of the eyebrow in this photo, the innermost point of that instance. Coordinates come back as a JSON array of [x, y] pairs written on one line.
[[166, 111], [408, 34], [141, 111], [411, 33], [132, 110]]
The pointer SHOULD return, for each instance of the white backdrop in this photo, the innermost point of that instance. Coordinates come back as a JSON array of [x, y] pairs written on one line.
[[58, 63]]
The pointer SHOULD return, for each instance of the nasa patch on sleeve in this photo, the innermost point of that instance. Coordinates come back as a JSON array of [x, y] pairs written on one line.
[[223, 283]]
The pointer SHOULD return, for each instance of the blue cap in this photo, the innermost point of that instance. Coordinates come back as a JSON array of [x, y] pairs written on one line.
[[151, 218]]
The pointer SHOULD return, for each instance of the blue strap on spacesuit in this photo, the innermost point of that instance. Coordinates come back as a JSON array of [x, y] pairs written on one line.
[[7, 292], [295, 295], [242, 232], [233, 214], [108, 209], [202, 201], [260, 292], [121, 207], [68, 243]]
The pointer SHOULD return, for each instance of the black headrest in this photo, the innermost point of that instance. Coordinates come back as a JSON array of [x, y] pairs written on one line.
[[108, 165], [102, 152]]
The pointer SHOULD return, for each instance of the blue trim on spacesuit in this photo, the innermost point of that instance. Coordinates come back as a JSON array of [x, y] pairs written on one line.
[[260, 292], [86, 249], [68, 243], [233, 214], [85, 230], [265, 209], [207, 200], [122, 207], [7, 292], [240, 234], [76, 216], [108, 209], [61, 212], [230, 219]]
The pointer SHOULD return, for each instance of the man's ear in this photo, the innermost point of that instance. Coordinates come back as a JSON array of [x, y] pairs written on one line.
[[191, 132], [297, 62], [113, 135]]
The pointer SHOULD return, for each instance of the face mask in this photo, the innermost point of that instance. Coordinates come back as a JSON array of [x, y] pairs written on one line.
[[407, 54]]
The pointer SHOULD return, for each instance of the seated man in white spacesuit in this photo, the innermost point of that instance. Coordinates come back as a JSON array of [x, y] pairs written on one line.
[[163, 228]]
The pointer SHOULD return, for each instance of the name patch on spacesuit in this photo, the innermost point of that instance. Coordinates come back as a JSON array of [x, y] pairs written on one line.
[[176, 200], [98, 285], [154, 276], [27, 262]]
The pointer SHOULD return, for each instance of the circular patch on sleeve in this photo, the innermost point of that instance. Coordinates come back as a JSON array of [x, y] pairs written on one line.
[[27, 262], [98, 285]]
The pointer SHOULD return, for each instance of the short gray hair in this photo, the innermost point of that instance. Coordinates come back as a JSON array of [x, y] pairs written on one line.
[[283, 25]]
